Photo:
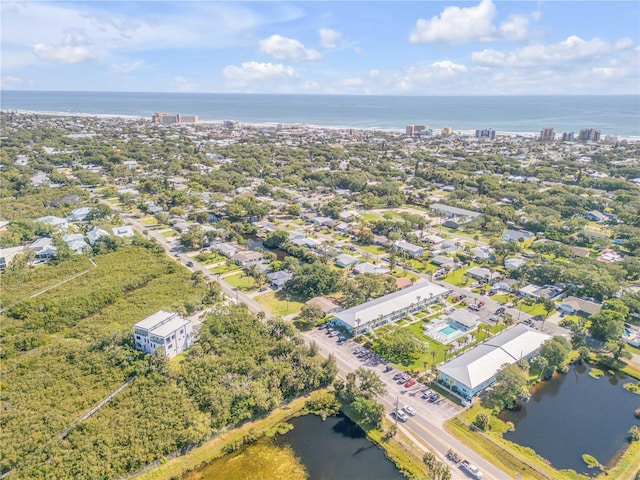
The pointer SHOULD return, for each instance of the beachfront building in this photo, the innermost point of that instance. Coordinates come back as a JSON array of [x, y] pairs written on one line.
[[472, 372], [389, 308], [160, 118], [167, 330], [547, 134]]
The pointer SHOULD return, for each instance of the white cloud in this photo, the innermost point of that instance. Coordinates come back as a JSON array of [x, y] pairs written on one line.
[[63, 53], [127, 67], [329, 38], [352, 82], [282, 48], [9, 81], [457, 25], [184, 84], [573, 49], [250, 72], [516, 27]]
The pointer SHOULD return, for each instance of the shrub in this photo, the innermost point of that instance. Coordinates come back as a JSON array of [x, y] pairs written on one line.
[[482, 421], [634, 434]]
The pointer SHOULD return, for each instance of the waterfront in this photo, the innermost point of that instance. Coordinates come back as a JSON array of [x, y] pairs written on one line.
[[574, 414], [613, 115], [337, 449]]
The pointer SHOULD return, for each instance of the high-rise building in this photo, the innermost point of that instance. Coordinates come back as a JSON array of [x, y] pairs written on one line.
[[547, 134], [568, 137], [160, 118], [487, 133], [589, 135], [446, 131], [412, 130]]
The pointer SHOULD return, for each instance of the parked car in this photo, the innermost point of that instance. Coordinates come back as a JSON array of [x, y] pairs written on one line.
[[398, 376], [189, 264], [426, 393], [470, 468], [410, 410], [404, 378], [400, 415], [481, 304], [410, 383], [493, 318], [500, 311], [474, 307]]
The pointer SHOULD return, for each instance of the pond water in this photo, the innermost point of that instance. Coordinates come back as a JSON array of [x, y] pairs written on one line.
[[255, 243], [337, 449], [574, 414]]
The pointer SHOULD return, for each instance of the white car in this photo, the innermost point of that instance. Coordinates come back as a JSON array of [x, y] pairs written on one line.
[[400, 415], [409, 410], [474, 471]]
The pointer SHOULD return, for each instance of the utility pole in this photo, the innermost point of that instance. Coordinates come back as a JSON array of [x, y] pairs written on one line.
[[395, 414]]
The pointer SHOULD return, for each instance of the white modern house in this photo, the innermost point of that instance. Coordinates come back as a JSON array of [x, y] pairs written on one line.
[[475, 370], [96, 234], [166, 330], [125, 231], [389, 308], [79, 214]]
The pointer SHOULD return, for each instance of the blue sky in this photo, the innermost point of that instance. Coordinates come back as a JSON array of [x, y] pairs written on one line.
[[348, 47]]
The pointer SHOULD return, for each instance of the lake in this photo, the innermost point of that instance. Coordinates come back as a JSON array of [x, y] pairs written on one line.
[[337, 449], [574, 414]]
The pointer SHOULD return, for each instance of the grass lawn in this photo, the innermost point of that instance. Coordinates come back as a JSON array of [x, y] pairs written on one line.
[[222, 269], [373, 249], [501, 298], [458, 277], [169, 233], [399, 272], [277, 303], [244, 283], [149, 220], [535, 310], [371, 217]]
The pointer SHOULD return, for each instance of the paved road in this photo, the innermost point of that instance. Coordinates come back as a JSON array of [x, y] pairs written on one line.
[[428, 425]]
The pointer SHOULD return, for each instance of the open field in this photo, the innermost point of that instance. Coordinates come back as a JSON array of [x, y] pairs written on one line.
[[279, 303]]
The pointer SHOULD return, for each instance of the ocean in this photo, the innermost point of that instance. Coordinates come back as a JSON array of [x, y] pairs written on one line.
[[611, 114]]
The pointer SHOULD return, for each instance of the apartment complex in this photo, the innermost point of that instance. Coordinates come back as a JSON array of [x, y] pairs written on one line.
[[160, 118], [589, 135], [486, 134], [547, 134], [167, 330], [413, 130]]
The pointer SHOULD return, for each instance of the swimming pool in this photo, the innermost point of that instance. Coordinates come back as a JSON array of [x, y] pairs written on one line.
[[448, 330]]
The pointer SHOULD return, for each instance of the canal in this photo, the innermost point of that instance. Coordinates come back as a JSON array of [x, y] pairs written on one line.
[[337, 449], [574, 414]]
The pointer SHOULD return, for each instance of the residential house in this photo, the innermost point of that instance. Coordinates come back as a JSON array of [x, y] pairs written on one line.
[[76, 243], [279, 279], [247, 258], [226, 249], [481, 254], [596, 216], [483, 274], [59, 224], [344, 260], [516, 236], [514, 263], [7, 255], [79, 214], [411, 249], [166, 330], [43, 248], [125, 231], [327, 305], [443, 261], [579, 306], [367, 267], [96, 234]]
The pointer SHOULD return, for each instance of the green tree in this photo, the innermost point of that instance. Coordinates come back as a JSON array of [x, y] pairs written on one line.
[[510, 388], [314, 279], [367, 410], [556, 352], [607, 325], [276, 239], [400, 345]]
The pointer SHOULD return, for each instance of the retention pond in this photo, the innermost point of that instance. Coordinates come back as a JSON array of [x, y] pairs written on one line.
[[575, 414]]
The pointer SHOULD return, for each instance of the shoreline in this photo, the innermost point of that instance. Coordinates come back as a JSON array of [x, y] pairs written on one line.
[[462, 132]]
